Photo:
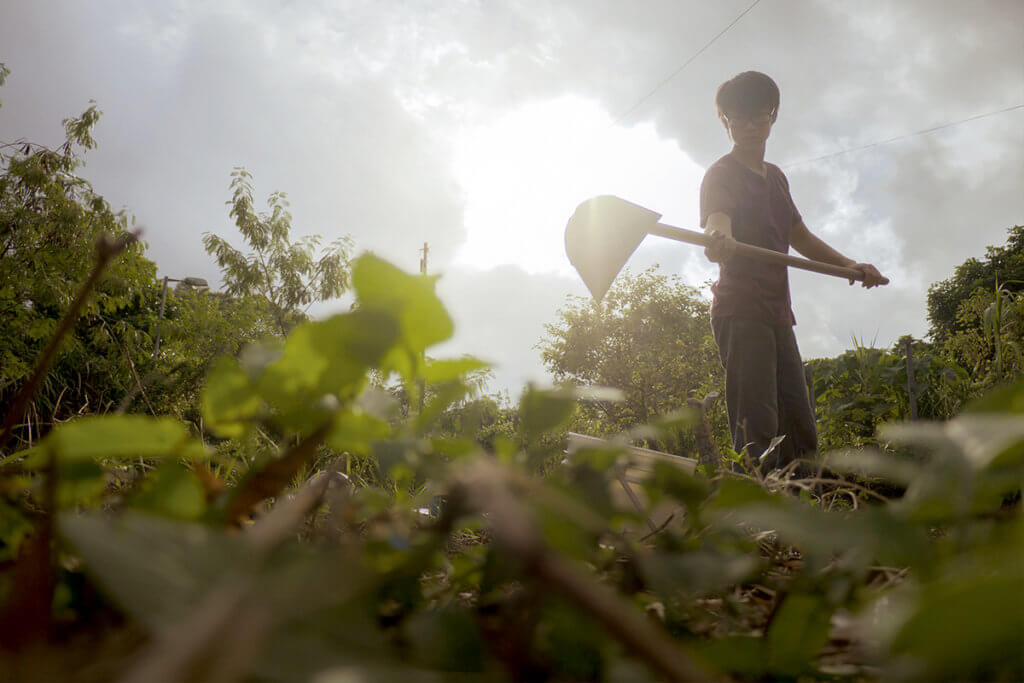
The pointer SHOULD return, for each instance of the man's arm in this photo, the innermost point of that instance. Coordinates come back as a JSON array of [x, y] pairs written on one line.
[[813, 247], [719, 227]]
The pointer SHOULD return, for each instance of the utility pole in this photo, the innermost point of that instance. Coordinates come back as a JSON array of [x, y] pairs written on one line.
[[911, 383], [160, 317], [197, 282], [423, 357]]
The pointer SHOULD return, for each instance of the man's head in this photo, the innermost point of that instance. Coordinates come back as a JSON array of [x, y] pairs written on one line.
[[748, 105]]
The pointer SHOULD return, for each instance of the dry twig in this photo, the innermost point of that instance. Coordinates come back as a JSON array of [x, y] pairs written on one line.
[[26, 615], [483, 488], [224, 633]]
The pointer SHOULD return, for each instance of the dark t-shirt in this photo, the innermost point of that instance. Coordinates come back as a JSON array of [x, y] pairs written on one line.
[[762, 214]]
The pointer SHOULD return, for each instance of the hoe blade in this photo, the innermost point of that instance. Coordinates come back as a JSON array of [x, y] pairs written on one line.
[[601, 236]]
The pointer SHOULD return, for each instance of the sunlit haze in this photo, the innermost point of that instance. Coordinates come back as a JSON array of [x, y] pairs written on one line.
[[524, 173]]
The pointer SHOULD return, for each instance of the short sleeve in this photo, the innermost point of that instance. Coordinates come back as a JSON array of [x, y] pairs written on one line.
[[796, 214], [716, 194]]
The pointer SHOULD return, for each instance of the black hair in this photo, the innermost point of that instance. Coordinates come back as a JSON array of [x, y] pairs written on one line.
[[748, 93]]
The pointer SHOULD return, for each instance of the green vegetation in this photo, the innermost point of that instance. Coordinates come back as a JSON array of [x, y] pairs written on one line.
[[862, 389], [50, 221], [276, 498], [650, 337], [1002, 264], [286, 275]]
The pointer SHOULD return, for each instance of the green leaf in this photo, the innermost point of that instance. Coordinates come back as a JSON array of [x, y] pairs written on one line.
[[965, 625], [405, 363], [13, 528], [33, 457], [992, 488], [229, 400], [596, 393], [600, 457], [155, 569], [572, 641], [738, 655], [893, 468], [396, 456], [690, 490], [589, 485], [440, 371], [797, 633], [327, 357], [255, 358], [447, 639], [1006, 399], [696, 572], [564, 534], [873, 533], [158, 571], [172, 491], [80, 482], [355, 430], [734, 493], [541, 411], [117, 436], [409, 298], [680, 418], [893, 540], [818, 534], [989, 440], [982, 439], [446, 394]]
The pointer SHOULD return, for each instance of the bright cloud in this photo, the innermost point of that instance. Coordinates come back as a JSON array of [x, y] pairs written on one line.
[[523, 174]]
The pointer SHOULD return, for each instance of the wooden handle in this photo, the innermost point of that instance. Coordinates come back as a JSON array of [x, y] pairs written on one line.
[[692, 237]]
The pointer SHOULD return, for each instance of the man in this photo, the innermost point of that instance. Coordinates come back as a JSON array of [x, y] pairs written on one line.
[[743, 198]]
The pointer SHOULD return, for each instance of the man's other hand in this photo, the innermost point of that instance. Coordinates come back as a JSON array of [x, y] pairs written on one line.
[[722, 247], [871, 276]]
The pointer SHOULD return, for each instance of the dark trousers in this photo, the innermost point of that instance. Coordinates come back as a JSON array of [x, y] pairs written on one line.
[[765, 391]]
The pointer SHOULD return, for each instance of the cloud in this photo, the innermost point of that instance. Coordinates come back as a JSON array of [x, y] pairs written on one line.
[[500, 316], [357, 110], [221, 89]]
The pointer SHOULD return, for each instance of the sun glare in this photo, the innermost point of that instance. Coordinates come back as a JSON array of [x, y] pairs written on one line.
[[523, 175]]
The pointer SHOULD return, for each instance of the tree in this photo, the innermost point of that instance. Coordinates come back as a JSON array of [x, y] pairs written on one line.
[[977, 315], [286, 274], [4, 73], [990, 336], [198, 328], [481, 419], [651, 338], [50, 221], [862, 388], [1002, 266]]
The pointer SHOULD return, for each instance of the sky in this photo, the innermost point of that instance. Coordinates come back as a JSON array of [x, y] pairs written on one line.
[[478, 126]]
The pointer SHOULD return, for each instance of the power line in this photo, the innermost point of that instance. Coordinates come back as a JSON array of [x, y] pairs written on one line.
[[675, 73], [904, 137]]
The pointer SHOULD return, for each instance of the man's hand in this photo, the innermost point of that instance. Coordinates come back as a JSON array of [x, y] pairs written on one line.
[[871, 276], [722, 247]]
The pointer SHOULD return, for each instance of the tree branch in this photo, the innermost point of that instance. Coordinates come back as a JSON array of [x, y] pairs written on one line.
[[483, 488]]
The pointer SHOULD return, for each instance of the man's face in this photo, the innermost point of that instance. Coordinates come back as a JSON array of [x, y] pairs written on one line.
[[749, 130]]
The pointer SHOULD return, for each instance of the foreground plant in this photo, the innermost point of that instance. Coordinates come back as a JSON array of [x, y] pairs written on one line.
[[292, 572]]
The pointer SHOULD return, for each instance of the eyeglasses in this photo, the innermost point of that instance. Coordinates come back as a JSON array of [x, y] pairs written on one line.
[[738, 120]]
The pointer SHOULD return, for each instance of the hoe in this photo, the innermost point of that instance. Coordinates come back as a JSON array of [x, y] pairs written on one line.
[[604, 231]]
